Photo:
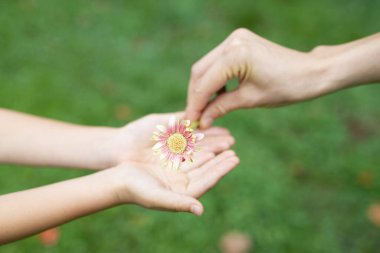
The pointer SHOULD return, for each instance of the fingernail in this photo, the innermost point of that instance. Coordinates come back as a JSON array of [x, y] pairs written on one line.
[[195, 209], [206, 122]]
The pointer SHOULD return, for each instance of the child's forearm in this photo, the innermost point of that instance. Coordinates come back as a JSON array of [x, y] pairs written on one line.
[[28, 212], [26, 139]]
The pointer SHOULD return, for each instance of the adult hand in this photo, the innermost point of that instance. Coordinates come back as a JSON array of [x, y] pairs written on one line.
[[269, 75]]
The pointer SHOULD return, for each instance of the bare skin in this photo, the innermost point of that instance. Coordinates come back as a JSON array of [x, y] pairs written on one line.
[[271, 75], [134, 175]]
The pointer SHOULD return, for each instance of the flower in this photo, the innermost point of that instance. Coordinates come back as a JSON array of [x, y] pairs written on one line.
[[176, 143]]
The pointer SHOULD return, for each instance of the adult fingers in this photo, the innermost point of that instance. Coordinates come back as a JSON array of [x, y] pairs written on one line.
[[201, 90], [201, 66], [221, 105]]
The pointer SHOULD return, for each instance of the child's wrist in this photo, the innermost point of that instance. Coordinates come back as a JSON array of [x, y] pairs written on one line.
[[106, 151], [110, 181], [117, 179]]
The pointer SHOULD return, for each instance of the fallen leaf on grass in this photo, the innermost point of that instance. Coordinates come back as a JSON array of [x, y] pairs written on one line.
[[365, 178], [122, 112], [49, 237], [236, 242], [374, 214]]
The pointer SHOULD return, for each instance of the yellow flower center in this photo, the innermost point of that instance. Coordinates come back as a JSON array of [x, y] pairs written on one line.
[[177, 143]]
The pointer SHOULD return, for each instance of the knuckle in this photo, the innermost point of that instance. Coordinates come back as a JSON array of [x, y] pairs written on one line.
[[220, 110], [178, 207], [239, 42], [152, 116], [240, 33], [195, 70], [319, 50], [244, 98]]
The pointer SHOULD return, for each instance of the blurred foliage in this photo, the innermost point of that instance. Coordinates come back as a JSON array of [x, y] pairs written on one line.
[[308, 172]]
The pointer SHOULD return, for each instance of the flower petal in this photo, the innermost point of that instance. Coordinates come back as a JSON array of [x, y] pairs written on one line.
[[158, 145], [155, 138], [199, 136], [176, 162], [186, 123], [161, 128], [164, 156], [172, 122]]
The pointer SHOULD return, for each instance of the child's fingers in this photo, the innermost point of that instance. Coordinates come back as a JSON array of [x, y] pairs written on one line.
[[210, 173], [171, 201], [216, 131], [217, 144], [199, 159]]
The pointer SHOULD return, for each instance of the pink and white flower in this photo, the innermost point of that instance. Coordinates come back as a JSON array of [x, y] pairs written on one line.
[[176, 142]]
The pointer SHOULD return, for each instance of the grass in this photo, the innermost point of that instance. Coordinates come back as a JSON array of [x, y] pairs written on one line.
[[299, 187]]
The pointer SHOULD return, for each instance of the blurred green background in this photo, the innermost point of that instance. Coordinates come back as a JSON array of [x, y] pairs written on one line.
[[308, 172]]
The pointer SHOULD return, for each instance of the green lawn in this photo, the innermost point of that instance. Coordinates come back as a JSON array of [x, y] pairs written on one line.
[[299, 187]]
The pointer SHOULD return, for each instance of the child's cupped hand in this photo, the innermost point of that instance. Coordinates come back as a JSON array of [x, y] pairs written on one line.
[[141, 178]]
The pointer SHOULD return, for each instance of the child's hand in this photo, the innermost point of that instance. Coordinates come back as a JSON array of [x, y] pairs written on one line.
[[152, 186], [133, 143], [136, 175], [141, 178]]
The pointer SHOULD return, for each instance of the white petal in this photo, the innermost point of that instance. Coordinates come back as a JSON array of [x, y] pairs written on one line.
[[172, 122], [156, 133], [155, 138], [176, 163], [186, 123], [158, 145], [162, 156], [161, 128], [199, 136]]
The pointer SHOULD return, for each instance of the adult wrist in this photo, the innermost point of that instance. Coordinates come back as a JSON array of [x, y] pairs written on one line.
[[325, 70]]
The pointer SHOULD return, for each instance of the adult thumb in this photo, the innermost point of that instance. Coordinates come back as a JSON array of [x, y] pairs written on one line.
[[221, 105]]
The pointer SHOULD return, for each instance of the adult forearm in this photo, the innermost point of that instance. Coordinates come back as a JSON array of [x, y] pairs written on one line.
[[349, 64], [27, 139], [28, 212]]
